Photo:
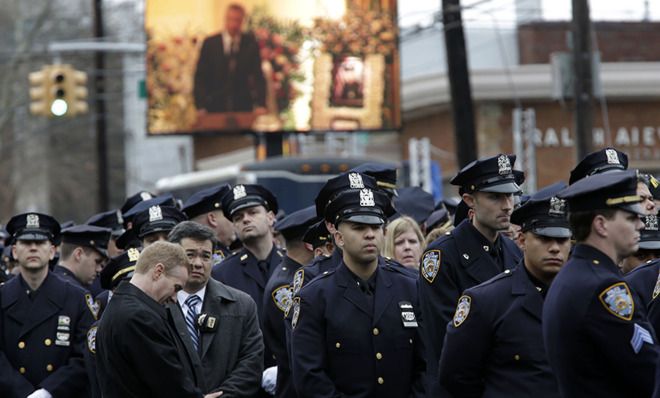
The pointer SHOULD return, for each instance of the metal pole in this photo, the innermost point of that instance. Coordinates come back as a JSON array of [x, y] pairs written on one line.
[[101, 135], [583, 78]]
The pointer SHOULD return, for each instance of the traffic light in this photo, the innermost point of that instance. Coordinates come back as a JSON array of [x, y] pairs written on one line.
[[58, 90]]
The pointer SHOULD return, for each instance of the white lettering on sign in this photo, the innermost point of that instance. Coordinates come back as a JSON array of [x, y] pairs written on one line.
[[646, 136]]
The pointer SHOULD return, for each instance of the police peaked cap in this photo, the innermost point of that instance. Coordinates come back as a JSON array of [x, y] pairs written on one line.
[[494, 174], [362, 206], [110, 219], [89, 236], [134, 199], [294, 225], [384, 174], [205, 201], [649, 238], [157, 219], [162, 200], [34, 226], [415, 203], [604, 161], [544, 213], [243, 196], [317, 235], [119, 268], [335, 185], [604, 191]]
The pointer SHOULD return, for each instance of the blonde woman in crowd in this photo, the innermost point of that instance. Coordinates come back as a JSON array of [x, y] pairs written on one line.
[[404, 242]]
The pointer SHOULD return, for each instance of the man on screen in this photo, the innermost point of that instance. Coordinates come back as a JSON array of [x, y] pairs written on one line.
[[228, 77]]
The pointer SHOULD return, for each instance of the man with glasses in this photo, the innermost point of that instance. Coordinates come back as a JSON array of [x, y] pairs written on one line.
[[139, 352]]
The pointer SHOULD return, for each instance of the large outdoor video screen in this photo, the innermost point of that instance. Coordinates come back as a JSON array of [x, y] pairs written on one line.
[[272, 65]]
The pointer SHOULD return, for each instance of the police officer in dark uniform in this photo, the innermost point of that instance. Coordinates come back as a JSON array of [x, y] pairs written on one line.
[[355, 328], [43, 319], [130, 237], [252, 209], [494, 344], [605, 161], [319, 238], [84, 252], [113, 220], [595, 328], [470, 254], [278, 293]]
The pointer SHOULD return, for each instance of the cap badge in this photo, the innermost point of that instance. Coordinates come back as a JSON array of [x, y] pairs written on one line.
[[155, 213], [133, 254], [612, 156], [120, 219], [651, 223], [146, 196], [557, 207], [504, 165], [239, 192], [32, 221], [355, 181], [367, 198]]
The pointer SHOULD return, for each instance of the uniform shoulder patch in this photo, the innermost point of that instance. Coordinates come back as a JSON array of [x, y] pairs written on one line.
[[298, 279], [296, 312], [431, 265], [618, 300], [93, 305], [462, 310], [91, 339], [656, 289], [282, 297]]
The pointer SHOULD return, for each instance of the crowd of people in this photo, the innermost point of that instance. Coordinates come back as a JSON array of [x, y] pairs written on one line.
[[372, 291]]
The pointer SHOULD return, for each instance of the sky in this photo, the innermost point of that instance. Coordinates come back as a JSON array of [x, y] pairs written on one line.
[[502, 12]]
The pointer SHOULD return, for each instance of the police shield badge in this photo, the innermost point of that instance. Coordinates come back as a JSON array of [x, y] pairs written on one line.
[[296, 312], [430, 265], [656, 289], [462, 310], [282, 297], [91, 339], [618, 301]]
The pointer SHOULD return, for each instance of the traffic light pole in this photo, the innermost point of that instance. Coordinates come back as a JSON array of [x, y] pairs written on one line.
[[99, 105]]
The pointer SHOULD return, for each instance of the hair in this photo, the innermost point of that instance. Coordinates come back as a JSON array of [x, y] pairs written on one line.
[[169, 254], [581, 221], [438, 232], [67, 249], [191, 230], [237, 7], [397, 227]]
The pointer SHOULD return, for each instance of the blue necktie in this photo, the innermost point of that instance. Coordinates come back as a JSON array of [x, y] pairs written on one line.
[[191, 318]]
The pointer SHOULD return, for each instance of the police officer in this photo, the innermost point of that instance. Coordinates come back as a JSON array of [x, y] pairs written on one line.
[[604, 161], [595, 328], [129, 238], [43, 319], [205, 207], [278, 293], [84, 252], [320, 239], [251, 208], [153, 224], [494, 344], [470, 254], [354, 328]]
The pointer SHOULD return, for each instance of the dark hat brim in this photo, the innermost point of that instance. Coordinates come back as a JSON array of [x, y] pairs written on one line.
[[552, 232], [507, 187], [152, 228], [635, 208], [32, 235], [244, 205], [368, 219]]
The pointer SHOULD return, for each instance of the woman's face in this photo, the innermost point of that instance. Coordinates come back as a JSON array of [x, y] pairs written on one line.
[[408, 249]]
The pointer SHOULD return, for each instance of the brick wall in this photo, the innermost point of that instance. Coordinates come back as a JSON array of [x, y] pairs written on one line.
[[617, 41]]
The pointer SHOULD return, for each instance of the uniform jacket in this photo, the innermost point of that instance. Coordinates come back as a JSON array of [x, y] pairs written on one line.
[[219, 90], [449, 266], [494, 345], [67, 275], [138, 350], [232, 355], [644, 281], [341, 348], [42, 340], [596, 333]]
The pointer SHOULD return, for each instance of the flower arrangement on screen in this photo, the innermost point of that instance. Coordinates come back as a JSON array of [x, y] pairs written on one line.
[[170, 78], [279, 43], [356, 34]]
